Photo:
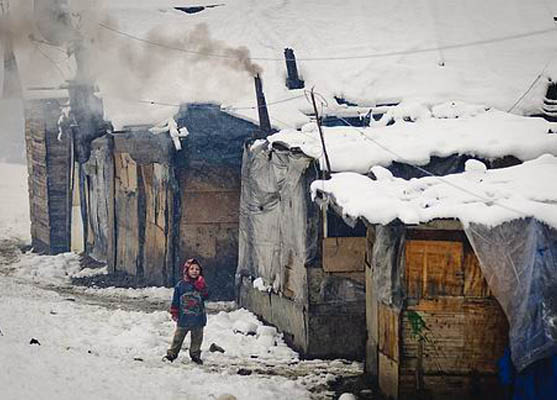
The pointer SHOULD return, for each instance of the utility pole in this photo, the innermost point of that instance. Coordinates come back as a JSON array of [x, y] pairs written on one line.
[[327, 172]]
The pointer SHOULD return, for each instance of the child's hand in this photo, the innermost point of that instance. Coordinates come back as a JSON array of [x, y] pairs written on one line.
[[174, 314], [200, 284]]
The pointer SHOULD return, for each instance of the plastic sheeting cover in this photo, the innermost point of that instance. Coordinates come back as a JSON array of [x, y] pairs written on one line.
[[277, 219], [388, 265], [519, 262]]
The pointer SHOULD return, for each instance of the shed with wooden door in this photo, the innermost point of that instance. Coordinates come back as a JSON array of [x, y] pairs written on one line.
[[446, 301], [434, 327]]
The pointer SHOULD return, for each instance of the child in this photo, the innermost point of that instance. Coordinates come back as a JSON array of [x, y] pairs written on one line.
[[188, 310]]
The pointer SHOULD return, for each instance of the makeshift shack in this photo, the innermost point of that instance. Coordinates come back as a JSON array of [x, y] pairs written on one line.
[[48, 165], [151, 205], [297, 269], [305, 277], [439, 292], [57, 144]]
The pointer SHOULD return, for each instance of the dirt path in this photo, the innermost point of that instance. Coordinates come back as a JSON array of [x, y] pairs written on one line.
[[321, 377]]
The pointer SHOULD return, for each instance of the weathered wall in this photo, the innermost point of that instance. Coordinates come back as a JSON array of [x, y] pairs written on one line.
[[320, 281], [209, 200], [99, 171], [447, 337], [288, 316], [208, 174], [48, 161], [144, 208]]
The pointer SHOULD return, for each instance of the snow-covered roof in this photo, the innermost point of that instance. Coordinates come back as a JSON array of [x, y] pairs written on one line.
[[477, 195], [448, 129], [143, 51]]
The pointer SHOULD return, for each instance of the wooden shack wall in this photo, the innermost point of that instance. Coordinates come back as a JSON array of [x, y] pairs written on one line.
[[210, 203], [99, 172], [454, 354], [48, 163], [144, 211]]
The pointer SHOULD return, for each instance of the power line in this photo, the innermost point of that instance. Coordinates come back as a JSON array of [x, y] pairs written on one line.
[[169, 47], [426, 172], [532, 85], [339, 58], [161, 103]]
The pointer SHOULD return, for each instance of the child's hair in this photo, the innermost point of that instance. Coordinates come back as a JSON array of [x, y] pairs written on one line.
[[189, 262]]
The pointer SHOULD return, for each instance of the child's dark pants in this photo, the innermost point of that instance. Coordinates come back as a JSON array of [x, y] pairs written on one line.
[[180, 335]]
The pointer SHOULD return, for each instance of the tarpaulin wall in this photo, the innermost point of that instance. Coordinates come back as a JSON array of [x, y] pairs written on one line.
[[278, 230], [519, 262]]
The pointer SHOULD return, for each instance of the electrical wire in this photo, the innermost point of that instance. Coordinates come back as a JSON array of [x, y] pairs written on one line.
[[533, 84], [51, 61], [428, 173], [339, 58], [230, 108]]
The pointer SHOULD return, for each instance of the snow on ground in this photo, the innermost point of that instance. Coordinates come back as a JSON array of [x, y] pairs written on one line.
[[90, 348], [443, 131], [90, 352], [478, 195]]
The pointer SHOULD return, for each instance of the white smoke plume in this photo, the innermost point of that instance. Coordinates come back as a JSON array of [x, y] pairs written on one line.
[[208, 70]]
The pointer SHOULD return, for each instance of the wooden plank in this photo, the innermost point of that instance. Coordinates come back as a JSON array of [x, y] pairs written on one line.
[[355, 276], [344, 254], [475, 284], [388, 376], [433, 268], [388, 331], [111, 235], [208, 178], [461, 336], [210, 207], [371, 356], [126, 209], [155, 270]]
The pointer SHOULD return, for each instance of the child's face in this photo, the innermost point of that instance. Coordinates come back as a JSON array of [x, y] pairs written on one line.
[[193, 271]]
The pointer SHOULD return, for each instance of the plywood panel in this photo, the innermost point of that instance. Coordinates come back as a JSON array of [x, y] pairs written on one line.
[[371, 360], [433, 268], [388, 376], [460, 336], [475, 284], [126, 213], [388, 331], [210, 207], [344, 254], [155, 268]]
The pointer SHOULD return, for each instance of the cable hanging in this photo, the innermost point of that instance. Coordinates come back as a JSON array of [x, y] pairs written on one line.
[[339, 58], [426, 172]]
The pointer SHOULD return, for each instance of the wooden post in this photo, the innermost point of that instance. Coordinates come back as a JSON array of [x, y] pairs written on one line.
[[327, 172]]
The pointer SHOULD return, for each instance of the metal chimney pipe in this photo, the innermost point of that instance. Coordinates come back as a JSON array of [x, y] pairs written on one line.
[[293, 81], [264, 122], [549, 107]]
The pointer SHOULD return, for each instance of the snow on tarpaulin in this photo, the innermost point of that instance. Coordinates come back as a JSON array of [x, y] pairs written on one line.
[[510, 218], [488, 197], [490, 135], [477, 51]]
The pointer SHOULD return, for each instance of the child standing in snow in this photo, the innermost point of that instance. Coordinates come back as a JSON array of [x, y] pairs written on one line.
[[188, 310]]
